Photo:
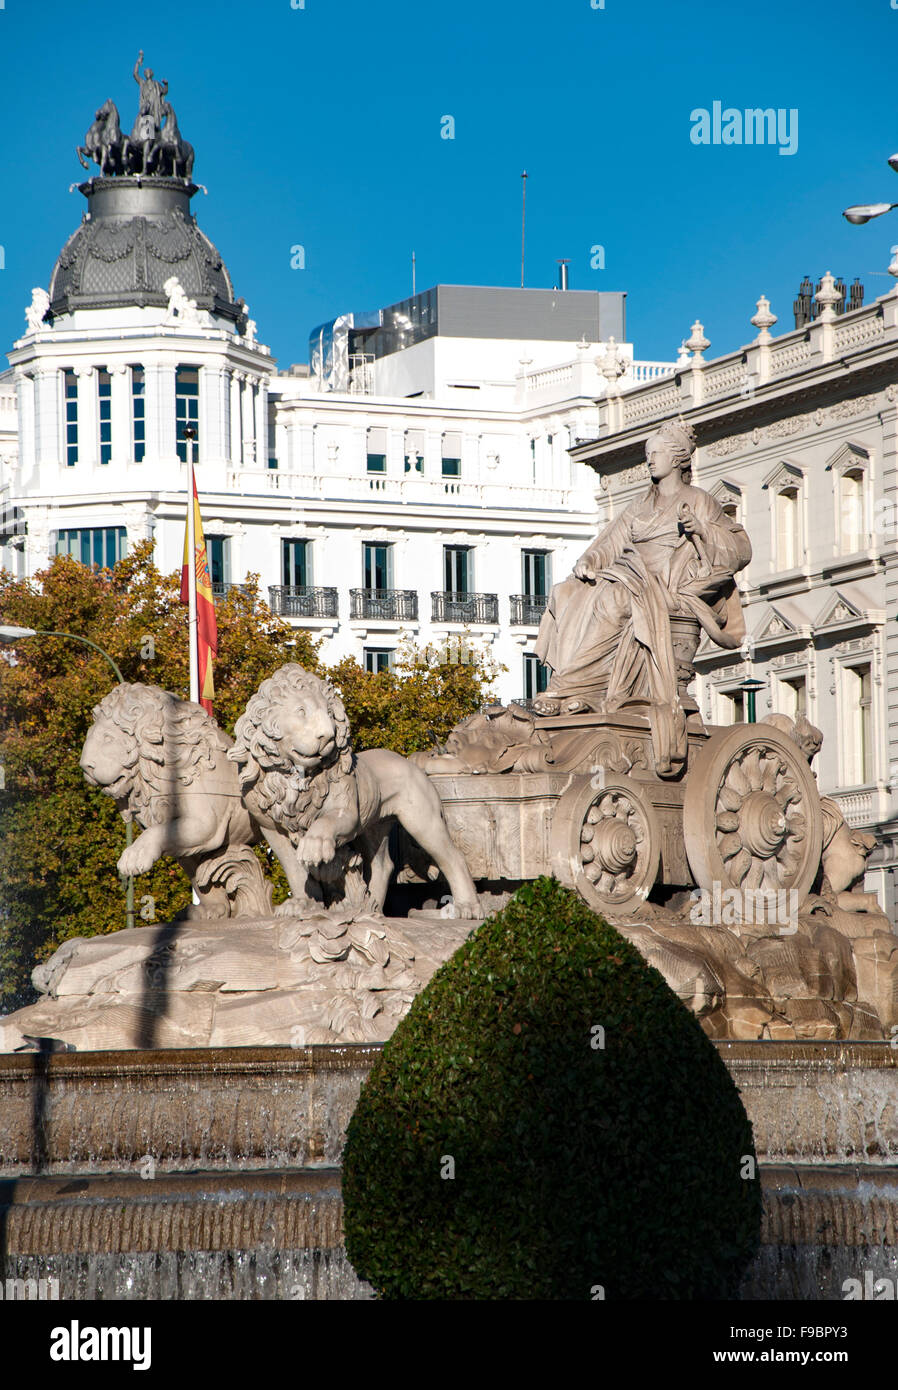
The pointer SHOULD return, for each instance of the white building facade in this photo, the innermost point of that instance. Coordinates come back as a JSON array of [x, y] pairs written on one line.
[[798, 440], [431, 496]]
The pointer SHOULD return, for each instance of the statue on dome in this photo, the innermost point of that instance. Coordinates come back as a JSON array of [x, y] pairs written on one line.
[[626, 624], [152, 95], [171, 154], [155, 145], [148, 122], [103, 142]]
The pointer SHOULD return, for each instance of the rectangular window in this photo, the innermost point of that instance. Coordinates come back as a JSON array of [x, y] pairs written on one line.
[[138, 415], [731, 704], [104, 402], [536, 577], [858, 726], [70, 386], [452, 455], [218, 552], [296, 563], [376, 446], [99, 546], [378, 659], [851, 512], [536, 676], [187, 408], [787, 541], [377, 564], [458, 568], [794, 697]]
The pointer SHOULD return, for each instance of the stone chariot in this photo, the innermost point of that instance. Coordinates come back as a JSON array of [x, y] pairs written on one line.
[[744, 813]]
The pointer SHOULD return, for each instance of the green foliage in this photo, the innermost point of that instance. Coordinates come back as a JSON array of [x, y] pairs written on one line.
[[575, 1165], [416, 703], [59, 838]]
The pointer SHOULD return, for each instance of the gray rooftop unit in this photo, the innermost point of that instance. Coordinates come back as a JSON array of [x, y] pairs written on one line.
[[485, 311]]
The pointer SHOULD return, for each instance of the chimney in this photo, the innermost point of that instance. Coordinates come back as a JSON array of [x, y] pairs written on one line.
[[562, 275]]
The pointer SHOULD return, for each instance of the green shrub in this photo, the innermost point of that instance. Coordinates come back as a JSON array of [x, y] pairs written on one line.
[[575, 1165]]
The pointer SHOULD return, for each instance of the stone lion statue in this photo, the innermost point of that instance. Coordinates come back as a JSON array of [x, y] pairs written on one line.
[[163, 761], [326, 809]]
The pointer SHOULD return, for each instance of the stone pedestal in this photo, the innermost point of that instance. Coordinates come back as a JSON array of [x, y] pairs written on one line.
[[238, 983]]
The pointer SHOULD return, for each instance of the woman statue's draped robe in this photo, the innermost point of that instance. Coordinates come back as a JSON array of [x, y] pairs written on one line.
[[609, 641]]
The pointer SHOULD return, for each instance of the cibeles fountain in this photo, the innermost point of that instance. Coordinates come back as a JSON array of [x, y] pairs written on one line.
[[196, 1076], [711, 849]]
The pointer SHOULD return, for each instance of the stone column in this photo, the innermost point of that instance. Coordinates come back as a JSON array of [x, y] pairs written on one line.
[[122, 441], [213, 389], [25, 410], [47, 388], [236, 451], [247, 452], [88, 425], [161, 448], [262, 423]]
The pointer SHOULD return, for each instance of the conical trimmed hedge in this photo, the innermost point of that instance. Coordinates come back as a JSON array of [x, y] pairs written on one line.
[[504, 1146]]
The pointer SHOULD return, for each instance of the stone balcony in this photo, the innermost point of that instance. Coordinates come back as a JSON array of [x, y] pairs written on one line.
[[491, 490]]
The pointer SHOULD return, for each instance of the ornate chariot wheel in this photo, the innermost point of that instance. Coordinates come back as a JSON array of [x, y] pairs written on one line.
[[751, 814], [605, 843]]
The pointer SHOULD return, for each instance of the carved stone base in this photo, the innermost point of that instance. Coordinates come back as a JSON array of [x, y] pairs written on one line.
[[269, 982], [830, 975]]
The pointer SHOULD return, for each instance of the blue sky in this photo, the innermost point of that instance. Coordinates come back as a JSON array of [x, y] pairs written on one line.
[[321, 127]]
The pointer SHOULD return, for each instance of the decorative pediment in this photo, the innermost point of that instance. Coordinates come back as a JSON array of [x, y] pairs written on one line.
[[837, 611], [726, 493], [785, 474], [775, 626], [849, 455]]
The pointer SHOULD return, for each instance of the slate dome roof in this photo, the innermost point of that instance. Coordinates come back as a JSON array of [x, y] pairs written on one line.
[[136, 234]]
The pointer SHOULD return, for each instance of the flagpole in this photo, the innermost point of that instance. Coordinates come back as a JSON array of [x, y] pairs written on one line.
[[190, 436]]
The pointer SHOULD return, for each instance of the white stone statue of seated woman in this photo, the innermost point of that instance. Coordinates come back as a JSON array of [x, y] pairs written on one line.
[[606, 632]]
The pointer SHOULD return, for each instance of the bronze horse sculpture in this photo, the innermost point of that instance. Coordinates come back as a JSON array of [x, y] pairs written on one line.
[[170, 153], [103, 142]]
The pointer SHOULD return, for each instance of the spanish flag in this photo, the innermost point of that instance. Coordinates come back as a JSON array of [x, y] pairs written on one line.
[[206, 627]]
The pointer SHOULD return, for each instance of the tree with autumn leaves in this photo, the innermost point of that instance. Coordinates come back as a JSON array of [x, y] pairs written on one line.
[[59, 838]]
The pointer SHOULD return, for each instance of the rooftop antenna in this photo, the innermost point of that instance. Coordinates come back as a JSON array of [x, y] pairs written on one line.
[[523, 220], [413, 275]]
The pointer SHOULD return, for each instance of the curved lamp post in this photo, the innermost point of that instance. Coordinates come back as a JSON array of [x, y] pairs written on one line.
[[863, 212], [20, 634]]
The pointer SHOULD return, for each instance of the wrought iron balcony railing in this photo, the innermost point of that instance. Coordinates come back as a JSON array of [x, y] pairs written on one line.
[[527, 609], [302, 601], [465, 608], [394, 605], [221, 589]]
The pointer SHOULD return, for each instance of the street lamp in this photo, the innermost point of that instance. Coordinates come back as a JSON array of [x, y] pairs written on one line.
[[20, 634], [863, 212], [750, 687]]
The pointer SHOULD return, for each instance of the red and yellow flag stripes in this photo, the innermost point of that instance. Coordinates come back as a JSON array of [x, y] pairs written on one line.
[[206, 627]]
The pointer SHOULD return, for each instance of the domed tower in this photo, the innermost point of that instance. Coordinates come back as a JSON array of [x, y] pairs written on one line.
[[138, 336], [137, 234]]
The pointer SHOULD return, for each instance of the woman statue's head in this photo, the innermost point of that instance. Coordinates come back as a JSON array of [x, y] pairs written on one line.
[[670, 447]]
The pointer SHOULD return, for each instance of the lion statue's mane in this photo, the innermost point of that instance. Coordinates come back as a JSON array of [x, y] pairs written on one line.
[[168, 740], [266, 768]]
